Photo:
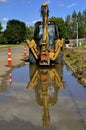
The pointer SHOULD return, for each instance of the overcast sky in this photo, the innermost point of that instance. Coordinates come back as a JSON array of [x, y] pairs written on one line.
[[28, 11]]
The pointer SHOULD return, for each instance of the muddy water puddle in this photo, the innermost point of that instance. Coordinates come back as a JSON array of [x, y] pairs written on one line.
[[39, 98]]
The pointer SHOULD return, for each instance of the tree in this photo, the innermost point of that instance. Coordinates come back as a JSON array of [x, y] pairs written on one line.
[[30, 32], [2, 38], [15, 31], [72, 22], [84, 22], [0, 27], [74, 16], [61, 26], [68, 26]]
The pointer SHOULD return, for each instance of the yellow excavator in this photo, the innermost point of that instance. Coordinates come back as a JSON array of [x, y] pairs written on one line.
[[46, 47]]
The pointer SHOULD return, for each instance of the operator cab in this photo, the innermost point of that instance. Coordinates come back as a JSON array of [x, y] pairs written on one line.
[[52, 32]]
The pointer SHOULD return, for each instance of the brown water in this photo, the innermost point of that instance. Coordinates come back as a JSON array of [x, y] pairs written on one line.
[[42, 98]]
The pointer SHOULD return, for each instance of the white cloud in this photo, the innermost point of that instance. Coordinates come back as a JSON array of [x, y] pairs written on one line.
[[71, 5], [31, 23], [4, 22], [5, 19], [3, 0], [3, 26]]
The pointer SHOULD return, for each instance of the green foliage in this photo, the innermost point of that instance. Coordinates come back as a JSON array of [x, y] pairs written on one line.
[[30, 32], [0, 27], [61, 26], [15, 31], [3, 40], [68, 55], [71, 23]]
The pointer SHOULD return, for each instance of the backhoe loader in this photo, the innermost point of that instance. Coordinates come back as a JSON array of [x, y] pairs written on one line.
[[46, 47]]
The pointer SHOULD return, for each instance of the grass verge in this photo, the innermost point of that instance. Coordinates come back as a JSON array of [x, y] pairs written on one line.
[[11, 45], [76, 59]]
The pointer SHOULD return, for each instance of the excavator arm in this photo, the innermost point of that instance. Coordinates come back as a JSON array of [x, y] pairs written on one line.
[[40, 46], [45, 14], [54, 54], [32, 45]]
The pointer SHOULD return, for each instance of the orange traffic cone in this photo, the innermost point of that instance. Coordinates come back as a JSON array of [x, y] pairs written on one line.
[[25, 51], [9, 57], [10, 80]]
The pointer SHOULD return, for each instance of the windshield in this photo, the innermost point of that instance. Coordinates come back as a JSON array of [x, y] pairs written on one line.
[[51, 33]]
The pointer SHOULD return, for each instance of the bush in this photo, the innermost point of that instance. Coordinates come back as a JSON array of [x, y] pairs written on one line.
[[3, 40], [68, 55]]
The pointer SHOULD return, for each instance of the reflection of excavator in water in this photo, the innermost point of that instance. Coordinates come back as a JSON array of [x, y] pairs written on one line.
[[46, 83], [46, 48]]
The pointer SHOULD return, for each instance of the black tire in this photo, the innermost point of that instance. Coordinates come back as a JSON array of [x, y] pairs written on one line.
[[59, 59], [31, 58]]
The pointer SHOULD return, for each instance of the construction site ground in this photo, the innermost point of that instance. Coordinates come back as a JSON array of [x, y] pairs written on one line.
[[75, 58]]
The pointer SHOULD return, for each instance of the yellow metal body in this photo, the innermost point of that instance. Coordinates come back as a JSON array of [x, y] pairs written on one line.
[[54, 52], [32, 45], [44, 14]]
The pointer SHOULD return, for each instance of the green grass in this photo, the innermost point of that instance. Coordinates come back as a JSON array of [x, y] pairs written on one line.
[[12, 45], [75, 58]]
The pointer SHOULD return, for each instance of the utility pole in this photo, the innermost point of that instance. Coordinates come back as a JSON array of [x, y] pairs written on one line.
[[77, 33]]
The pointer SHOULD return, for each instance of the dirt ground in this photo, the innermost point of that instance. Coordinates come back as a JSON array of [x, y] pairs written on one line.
[[76, 59]]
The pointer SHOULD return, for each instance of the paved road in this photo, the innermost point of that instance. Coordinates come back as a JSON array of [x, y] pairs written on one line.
[[17, 56]]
